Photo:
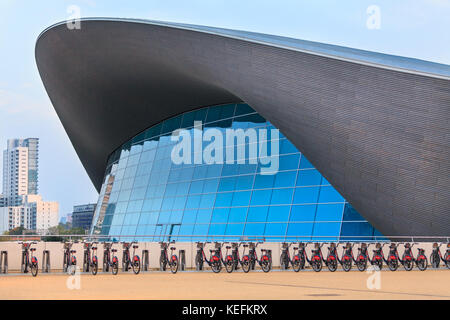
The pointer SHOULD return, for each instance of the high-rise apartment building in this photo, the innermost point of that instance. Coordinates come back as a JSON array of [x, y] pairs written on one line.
[[20, 204], [20, 169]]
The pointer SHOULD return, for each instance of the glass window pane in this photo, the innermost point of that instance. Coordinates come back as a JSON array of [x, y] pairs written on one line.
[[257, 214], [329, 194], [241, 198], [309, 178], [261, 197], [306, 195], [282, 196], [329, 212]]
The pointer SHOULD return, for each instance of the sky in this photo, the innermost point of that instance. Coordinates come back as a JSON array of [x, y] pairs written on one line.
[[411, 28]]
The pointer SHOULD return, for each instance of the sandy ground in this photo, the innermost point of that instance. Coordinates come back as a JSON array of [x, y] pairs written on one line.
[[430, 284]]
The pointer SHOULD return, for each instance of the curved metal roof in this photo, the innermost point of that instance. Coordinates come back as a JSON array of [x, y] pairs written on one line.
[[375, 125]]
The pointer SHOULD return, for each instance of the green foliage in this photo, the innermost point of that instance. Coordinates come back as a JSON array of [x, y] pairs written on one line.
[[54, 233]]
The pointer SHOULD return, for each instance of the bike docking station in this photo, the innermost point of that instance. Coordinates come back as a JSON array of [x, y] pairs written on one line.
[[4, 262], [182, 254], [46, 261], [145, 260]]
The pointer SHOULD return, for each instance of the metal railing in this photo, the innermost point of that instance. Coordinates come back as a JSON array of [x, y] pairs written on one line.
[[223, 238]]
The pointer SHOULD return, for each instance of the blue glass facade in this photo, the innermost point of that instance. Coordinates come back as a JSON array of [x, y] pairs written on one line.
[[145, 193]]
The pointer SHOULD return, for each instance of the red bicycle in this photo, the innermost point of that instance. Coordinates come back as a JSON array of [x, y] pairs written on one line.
[[27, 261], [265, 262], [127, 262], [377, 256]]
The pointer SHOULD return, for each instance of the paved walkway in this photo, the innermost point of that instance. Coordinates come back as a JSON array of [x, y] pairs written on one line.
[[430, 284]]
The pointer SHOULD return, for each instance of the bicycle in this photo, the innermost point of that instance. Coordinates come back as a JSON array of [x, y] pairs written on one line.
[[347, 257], [436, 255], [332, 258], [285, 258], [228, 261], [90, 261], [302, 255], [265, 262], [407, 258], [377, 256], [421, 261], [27, 261], [316, 257], [110, 259], [245, 261], [362, 257], [69, 259], [214, 258], [164, 258], [393, 258], [127, 263]]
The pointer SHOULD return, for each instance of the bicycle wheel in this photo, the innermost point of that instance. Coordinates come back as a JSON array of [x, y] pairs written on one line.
[[407, 264], [65, 263], [162, 263], [94, 268], [199, 261], [229, 264], [422, 264], [296, 263], [216, 266], [245, 263], [316, 265], [136, 264], [174, 264], [265, 263], [379, 264], [34, 269], [392, 264], [115, 268], [346, 263], [332, 265], [361, 264], [447, 260]]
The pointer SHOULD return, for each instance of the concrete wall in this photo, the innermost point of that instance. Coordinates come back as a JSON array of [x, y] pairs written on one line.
[[56, 253]]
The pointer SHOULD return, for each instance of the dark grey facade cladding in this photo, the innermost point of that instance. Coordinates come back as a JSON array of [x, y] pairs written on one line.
[[381, 137]]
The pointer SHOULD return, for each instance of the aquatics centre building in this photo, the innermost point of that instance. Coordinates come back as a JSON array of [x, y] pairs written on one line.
[[364, 137]]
